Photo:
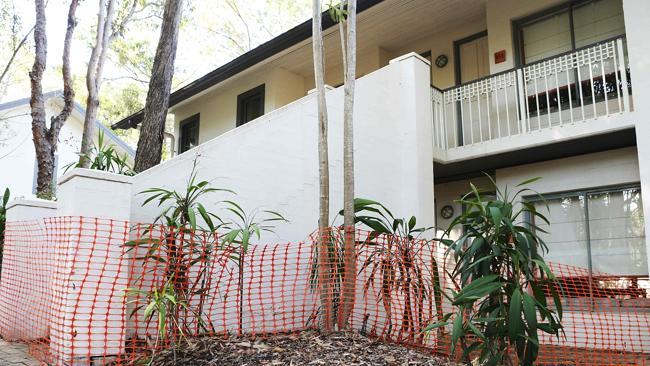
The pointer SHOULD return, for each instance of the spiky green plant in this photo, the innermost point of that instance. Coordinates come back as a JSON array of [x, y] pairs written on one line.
[[104, 157], [498, 265], [185, 243]]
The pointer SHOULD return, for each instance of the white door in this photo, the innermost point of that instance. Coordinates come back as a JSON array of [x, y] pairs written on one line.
[[474, 61]]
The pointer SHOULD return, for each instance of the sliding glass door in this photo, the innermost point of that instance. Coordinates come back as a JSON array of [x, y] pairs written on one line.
[[600, 230]]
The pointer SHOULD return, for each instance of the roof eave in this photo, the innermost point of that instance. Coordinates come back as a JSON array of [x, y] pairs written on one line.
[[274, 46]]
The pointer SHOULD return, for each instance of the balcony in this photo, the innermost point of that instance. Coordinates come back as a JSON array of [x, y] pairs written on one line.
[[573, 95]]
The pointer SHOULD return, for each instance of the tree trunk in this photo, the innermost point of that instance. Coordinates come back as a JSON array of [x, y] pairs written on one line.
[[94, 76], [150, 143], [325, 277], [350, 255], [46, 139]]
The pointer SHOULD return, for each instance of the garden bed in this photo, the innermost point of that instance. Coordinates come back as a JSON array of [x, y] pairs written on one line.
[[306, 348]]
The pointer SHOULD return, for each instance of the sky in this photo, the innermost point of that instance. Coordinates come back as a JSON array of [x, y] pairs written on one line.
[[199, 49]]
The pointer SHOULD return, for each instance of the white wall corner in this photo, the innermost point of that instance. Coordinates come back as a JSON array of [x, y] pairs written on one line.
[[637, 13], [408, 56], [327, 87], [30, 209], [417, 153], [93, 193]]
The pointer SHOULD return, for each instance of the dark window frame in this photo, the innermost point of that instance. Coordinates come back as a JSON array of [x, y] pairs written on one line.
[[195, 119], [258, 91], [457, 44], [519, 24]]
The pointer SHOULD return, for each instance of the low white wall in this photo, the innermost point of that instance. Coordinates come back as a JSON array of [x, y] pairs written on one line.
[[272, 162], [601, 169]]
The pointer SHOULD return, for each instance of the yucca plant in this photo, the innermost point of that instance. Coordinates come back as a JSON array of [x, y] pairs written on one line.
[[104, 157], [399, 264], [501, 280], [392, 252], [238, 234], [185, 243]]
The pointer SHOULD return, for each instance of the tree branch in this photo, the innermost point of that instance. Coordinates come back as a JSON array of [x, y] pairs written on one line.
[[68, 92], [14, 53]]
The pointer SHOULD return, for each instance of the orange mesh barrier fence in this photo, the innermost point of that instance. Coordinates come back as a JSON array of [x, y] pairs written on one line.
[[84, 291]]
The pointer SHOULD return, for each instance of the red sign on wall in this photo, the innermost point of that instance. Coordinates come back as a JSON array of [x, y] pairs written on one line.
[[500, 56]]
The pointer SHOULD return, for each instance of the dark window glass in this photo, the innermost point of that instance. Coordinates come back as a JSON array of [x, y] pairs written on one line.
[[568, 27], [250, 105], [189, 134]]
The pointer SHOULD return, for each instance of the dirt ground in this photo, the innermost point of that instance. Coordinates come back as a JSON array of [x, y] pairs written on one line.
[[306, 348]]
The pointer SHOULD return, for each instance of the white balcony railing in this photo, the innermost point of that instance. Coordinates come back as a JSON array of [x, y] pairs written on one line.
[[575, 87]]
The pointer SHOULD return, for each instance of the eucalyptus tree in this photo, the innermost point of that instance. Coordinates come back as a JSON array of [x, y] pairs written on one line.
[[324, 272], [107, 31], [46, 138], [149, 152], [345, 14]]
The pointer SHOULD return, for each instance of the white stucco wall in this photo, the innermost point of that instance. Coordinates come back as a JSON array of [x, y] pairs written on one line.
[[17, 156], [607, 168], [272, 162]]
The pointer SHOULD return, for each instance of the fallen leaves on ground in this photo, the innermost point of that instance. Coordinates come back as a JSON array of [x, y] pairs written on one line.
[[306, 348]]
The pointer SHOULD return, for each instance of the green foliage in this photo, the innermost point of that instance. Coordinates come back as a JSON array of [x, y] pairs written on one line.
[[391, 255], [105, 158], [161, 302], [497, 262], [187, 250], [191, 241], [338, 12], [400, 265], [3, 221], [3, 213]]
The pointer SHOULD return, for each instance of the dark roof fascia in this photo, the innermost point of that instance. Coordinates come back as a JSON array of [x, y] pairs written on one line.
[[276, 45]]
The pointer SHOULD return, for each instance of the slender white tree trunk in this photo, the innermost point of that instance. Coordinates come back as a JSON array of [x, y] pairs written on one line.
[[106, 33], [324, 273], [94, 75], [350, 255]]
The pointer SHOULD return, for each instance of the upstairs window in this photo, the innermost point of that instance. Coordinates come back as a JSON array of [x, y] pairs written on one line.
[[250, 105], [189, 137], [567, 27]]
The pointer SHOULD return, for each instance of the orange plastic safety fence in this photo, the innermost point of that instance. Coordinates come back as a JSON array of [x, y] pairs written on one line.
[[84, 290]]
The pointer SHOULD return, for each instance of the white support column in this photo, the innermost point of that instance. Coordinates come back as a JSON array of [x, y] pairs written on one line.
[[417, 154], [90, 276], [637, 13]]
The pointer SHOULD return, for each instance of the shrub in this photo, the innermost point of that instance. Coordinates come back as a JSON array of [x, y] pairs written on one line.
[[105, 158], [395, 261], [3, 222], [189, 244], [498, 261]]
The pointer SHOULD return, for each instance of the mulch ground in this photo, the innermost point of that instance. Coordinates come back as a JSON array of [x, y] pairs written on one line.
[[306, 348]]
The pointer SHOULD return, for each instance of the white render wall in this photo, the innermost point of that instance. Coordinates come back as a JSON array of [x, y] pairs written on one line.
[[272, 162]]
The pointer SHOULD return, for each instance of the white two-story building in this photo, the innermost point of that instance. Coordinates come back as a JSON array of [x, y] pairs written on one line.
[[448, 90]]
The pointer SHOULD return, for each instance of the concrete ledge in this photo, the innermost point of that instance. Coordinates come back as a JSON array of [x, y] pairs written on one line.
[[30, 209], [327, 87], [95, 174], [35, 202], [409, 55], [93, 193]]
